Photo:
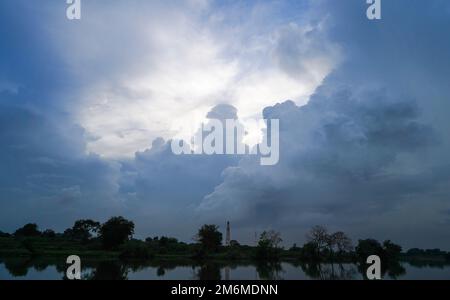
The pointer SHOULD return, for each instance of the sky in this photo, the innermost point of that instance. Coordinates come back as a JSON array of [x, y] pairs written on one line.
[[88, 108]]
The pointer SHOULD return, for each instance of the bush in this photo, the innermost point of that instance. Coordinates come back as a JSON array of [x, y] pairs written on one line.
[[135, 250], [4, 234], [310, 251], [368, 247], [49, 234], [29, 230], [387, 251], [199, 253], [268, 246], [233, 254]]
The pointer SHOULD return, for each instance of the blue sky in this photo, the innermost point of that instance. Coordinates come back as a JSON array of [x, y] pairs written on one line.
[[87, 108]]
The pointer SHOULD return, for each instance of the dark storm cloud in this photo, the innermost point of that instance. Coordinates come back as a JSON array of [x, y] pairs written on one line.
[[162, 189], [45, 175], [368, 152], [338, 142]]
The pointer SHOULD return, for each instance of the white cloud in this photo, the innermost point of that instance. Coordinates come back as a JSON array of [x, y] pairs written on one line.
[[164, 67]]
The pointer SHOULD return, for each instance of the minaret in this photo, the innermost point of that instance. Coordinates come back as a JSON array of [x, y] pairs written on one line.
[[228, 237]]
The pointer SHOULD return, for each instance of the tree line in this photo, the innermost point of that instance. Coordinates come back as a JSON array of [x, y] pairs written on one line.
[[116, 234], [112, 233]]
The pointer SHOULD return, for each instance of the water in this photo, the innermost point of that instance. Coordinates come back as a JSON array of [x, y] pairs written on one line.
[[54, 269]]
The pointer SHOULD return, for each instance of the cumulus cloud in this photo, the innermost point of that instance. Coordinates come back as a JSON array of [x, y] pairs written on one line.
[[336, 152], [223, 112], [148, 72], [364, 154], [364, 141], [160, 188]]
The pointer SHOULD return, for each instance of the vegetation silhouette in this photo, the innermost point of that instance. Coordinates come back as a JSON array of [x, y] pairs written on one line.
[[115, 232], [29, 230], [268, 248], [109, 270], [269, 270], [210, 238], [325, 255], [208, 271]]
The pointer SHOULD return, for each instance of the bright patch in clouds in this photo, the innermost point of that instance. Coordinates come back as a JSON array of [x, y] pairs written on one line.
[[164, 68]]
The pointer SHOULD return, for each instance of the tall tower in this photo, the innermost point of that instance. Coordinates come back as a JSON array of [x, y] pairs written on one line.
[[228, 237]]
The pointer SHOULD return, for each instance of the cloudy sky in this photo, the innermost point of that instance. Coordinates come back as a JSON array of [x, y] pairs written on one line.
[[87, 108]]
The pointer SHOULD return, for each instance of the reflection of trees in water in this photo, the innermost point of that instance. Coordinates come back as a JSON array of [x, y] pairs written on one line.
[[418, 263], [392, 268], [348, 271], [160, 272], [395, 270], [341, 271], [269, 270], [109, 270], [330, 271], [163, 267], [18, 267], [212, 270], [208, 271]]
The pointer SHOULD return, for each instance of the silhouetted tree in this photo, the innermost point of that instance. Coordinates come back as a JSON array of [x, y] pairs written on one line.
[[391, 250], [342, 242], [209, 237], [268, 245], [116, 231], [29, 230], [4, 234], [328, 242], [388, 252], [320, 237], [83, 229], [368, 247], [310, 252], [49, 233]]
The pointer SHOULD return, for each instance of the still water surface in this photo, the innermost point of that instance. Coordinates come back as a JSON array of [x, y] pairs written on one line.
[[42, 269]]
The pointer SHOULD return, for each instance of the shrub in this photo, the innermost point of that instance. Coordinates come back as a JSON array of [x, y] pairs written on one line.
[[135, 250]]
